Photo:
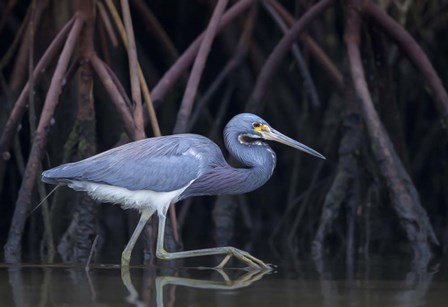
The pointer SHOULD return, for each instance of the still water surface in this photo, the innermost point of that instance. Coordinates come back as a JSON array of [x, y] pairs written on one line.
[[377, 283]]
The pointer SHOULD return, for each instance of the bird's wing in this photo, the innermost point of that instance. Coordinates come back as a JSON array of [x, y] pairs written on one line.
[[157, 164]]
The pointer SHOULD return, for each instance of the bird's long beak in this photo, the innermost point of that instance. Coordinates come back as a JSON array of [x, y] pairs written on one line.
[[274, 135]]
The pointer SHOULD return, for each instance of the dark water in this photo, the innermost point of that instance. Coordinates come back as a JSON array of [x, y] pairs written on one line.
[[391, 282]]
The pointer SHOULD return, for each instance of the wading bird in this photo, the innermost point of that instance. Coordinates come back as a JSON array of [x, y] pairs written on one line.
[[150, 174]]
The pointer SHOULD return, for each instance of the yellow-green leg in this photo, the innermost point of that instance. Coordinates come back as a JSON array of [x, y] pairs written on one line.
[[126, 255], [229, 251]]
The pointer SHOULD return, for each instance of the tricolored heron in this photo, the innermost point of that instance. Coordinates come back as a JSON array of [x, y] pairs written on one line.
[[150, 174]]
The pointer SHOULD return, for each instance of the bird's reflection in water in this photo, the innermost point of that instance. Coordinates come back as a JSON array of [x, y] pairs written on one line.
[[379, 282], [245, 279]]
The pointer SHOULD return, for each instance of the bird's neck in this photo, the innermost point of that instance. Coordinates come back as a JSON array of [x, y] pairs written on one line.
[[258, 161], [227, 180], [255, 174]]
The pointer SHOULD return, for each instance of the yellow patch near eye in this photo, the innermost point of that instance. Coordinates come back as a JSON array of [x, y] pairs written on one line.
[[262, 127]]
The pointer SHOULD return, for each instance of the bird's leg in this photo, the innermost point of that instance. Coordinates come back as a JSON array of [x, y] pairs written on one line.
[[126, 255], [229, 251]]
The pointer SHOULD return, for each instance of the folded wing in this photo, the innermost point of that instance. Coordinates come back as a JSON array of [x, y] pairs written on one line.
[[159, 164]]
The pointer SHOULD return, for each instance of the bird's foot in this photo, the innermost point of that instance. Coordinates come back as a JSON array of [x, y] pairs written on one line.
[[252, 262]]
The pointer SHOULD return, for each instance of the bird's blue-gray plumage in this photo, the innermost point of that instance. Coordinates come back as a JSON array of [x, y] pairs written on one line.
[[169, 163]]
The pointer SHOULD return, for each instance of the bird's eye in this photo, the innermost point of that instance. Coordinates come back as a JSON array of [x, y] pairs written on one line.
[[256, 125]]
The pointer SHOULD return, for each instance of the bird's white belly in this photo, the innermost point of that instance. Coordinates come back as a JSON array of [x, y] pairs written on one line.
[[139, 199]]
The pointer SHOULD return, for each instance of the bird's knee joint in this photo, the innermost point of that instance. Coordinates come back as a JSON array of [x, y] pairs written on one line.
[[162, 254]]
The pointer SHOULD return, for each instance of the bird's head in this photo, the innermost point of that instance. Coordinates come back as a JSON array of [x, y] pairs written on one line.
[[253, 130]]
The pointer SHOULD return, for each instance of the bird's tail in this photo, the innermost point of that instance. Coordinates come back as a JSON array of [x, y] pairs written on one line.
[[47, 177]]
